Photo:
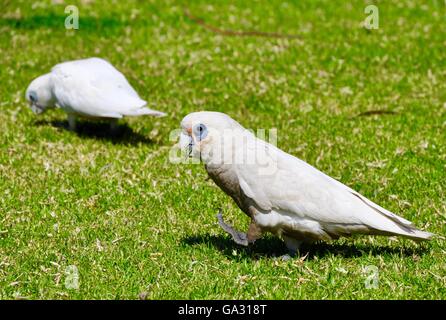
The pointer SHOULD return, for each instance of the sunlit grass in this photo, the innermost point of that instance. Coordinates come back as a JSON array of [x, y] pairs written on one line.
[[133, 223]]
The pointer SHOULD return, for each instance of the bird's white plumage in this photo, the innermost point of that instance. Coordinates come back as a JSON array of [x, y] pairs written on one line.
[[295, 197], [93, 87], [299, 191], [90, 88]]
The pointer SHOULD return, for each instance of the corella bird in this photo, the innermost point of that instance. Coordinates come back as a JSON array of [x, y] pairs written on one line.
[[279, 192], [90, 88]]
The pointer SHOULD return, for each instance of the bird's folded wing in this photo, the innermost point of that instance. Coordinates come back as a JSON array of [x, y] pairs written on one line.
[[295, 188], [94, 87]]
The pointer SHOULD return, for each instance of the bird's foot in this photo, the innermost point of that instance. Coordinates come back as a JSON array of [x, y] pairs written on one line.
[[293, 245], [238, 237], [72, 122], [114, 126], [286, 257]]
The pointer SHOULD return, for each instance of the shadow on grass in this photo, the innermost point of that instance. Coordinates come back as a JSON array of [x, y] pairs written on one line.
[[100, 131], [270, 246], [267, 246], [53, 21], [102, 25]]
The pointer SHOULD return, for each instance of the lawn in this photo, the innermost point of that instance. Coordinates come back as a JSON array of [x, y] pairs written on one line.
[[367, 107]]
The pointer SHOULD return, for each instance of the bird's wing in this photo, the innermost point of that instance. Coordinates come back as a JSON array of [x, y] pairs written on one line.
[[296, 189], [95, 88]]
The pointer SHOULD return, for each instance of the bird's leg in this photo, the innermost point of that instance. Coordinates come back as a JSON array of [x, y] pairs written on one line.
[[254, 231], [239, 237], [113, 125], [72, 122], [292, 244]]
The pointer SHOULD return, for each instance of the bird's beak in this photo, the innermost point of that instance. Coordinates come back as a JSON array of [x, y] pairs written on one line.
[[36, 108]]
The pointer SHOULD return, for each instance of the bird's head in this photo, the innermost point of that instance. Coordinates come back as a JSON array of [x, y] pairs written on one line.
[[40, 94], [209, 136]]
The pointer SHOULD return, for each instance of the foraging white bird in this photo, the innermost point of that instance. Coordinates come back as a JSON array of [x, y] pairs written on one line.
[[281, 193], [90, 88]]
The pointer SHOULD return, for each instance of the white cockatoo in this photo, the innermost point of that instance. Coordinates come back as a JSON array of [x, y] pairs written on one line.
[[90, 88], [279, 192]]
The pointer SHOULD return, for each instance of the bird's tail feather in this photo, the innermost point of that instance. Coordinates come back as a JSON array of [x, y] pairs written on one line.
[[403, 228], [413, 234], [419, 235], [334, 231], [146, 111], [390, 215]]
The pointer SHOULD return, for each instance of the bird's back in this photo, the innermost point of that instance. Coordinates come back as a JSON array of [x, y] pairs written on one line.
[[94, 87]]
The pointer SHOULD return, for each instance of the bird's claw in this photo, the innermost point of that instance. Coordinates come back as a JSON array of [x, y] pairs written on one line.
[[238, 237]]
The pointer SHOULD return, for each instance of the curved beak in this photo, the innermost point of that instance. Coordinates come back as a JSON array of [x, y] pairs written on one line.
[[36, 108]]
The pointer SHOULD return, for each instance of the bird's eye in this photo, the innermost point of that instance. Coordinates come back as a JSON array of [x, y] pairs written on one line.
[[200, 131], [33, 96]]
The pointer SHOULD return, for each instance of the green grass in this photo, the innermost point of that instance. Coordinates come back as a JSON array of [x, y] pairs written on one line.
[[133, 223]]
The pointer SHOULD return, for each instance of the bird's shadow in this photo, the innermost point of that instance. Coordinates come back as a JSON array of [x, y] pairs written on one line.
[[53, 21], [271, 247], [123, 134]]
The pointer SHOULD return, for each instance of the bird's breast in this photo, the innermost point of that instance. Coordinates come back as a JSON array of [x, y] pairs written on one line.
[[226, 178]]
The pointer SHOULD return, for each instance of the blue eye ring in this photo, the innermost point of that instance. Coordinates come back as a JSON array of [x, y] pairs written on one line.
[[33, 96], [200, 131]]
